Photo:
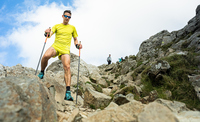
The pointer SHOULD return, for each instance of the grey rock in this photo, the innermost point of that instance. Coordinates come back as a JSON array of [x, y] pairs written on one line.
[[166, 40], [195, 81], [95, 98], [2, 71], [110, 67], [111, 105], [130, 97], [178, 45], [75, 116], [134, 108], [127, 65], [188, 116], [55, 67], [148, 48], [25, 99], [178, 53], [153, 95], [174, 106], [120, 99], [111, 114], [155, 112], [157, 69], [106, 91]]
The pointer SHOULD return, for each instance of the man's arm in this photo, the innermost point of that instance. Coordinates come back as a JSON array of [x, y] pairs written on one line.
[[49, 31], [76, 43], [51, 34]]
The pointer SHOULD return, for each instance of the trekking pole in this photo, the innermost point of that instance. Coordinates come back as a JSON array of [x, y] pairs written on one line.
[[78, 72], [42, 52]]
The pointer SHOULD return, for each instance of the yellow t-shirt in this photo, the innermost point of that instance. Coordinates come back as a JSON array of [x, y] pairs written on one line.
[[64, 34]]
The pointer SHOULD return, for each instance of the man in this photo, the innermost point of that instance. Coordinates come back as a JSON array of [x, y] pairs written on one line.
[[109, 60], [61, 48]]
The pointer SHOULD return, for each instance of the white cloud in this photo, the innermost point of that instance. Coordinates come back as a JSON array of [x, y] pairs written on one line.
[[105, 27], [2, 57]]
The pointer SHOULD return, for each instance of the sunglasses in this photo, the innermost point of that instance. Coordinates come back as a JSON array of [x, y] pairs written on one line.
[[67, 16]]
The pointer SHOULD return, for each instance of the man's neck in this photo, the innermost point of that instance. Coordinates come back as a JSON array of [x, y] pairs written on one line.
[[65, 23]]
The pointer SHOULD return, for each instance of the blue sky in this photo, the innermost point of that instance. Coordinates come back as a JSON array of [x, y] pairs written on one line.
[[9, 9], [105, 27]]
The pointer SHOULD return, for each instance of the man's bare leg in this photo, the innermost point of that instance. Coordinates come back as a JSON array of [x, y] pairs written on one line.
[[48, 54], [66, 65]]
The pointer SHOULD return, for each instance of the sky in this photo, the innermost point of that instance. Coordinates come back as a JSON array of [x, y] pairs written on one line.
[[104, 27]]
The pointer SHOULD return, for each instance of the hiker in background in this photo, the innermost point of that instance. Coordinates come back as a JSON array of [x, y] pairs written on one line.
[[61, 48], [109, 60], [120, 60]]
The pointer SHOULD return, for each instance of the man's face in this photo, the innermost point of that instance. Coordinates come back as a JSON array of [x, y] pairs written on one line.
[[66, 17]]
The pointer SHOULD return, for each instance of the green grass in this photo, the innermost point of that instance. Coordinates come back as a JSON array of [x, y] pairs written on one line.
[[88, 82], [132, 57], [137, 71], [139, 63], [112, 94], [122, 85], [117, 75], [176, 80], [108, 82], [97, 88], [80, 89], [92, 106]]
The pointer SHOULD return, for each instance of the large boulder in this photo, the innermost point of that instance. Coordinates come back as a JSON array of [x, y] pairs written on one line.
[[148, 49], [120, 99], [157, 69], [188, 116], [134, 108], [174, 106], [181, 111], [25, 99], [95, 99], [84, 69], [155, 112], [113, 113], [56, 89], [57, 66], [128, 65]]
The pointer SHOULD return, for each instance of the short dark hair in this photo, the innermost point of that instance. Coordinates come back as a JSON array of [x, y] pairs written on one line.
[[67, 11]]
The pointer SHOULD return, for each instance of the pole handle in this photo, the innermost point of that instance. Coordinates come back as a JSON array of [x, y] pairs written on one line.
[[79, 49], [47, 35]]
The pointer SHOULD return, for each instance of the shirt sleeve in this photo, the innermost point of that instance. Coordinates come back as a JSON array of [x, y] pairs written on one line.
[[54, 29], [74, 34]]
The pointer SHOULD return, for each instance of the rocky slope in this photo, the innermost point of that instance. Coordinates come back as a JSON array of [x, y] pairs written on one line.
[[161, 83]]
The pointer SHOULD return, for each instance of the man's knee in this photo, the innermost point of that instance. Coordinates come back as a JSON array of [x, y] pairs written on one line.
[[46, 56], [66, 68]]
